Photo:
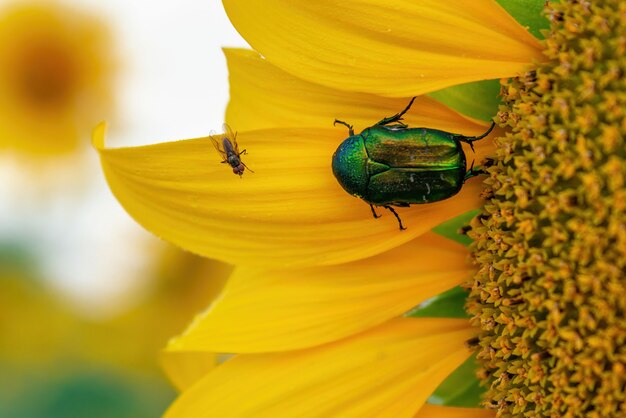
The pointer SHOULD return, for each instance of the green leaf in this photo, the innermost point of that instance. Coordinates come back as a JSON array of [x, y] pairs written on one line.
[[529, 13], [450, 229], [449, 304], [462, 388], [478, 100]]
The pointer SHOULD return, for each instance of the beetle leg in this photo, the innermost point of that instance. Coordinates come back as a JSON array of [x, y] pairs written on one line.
[[350, 127], [470, 139], [397, 126], [396, 215], [397, 117], [473, 172], [376, 216]]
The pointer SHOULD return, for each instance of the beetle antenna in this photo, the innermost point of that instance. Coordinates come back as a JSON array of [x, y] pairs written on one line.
[[402, 228], [350, 127]]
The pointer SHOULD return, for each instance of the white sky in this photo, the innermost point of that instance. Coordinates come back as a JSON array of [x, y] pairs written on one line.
[[174, 85], [177, 82]]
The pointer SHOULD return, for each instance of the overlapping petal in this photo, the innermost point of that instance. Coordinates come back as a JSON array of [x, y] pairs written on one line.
[[388, 371], [264, 96], [394, 48], [265, 310], [184, 368], [291, 211]]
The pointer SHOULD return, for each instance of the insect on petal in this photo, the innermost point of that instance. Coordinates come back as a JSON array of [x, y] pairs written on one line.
[[291, 211]]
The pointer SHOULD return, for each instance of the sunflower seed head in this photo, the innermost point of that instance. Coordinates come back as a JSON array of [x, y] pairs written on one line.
[[550, 246]]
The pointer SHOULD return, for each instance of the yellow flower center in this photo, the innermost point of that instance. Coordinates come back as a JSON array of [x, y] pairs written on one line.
[[44, 74], [550, 294]]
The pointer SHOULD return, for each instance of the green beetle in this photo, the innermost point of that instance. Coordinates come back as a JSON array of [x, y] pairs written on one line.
[[390, 164]]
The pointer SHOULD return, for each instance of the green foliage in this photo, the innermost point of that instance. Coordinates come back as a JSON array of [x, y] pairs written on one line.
[[461, 388], [450, 229], [478, 100], [17, 257], [449, 304], [529, 13], [94, 393]]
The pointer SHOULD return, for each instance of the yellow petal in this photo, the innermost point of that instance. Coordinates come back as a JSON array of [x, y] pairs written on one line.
[[273, 310], [264, 96], [291, 211], [394, 48], [388, 371], [184, 368], [434, 411]]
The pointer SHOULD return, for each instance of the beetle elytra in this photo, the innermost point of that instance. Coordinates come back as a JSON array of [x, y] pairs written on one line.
[[390, 164]]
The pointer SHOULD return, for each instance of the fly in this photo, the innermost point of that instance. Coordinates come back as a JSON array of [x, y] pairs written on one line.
[[229, 150]]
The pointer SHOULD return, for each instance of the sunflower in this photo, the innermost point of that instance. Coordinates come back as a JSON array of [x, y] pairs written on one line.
[[55, 78], [316, 309]]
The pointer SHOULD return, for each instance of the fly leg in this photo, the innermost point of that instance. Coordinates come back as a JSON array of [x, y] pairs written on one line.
[[350, 127], [470, 139], [376, 216], [389, 208], [242, 163], [397, 117]]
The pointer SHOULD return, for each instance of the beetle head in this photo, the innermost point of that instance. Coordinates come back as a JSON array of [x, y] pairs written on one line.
[[350, 166]]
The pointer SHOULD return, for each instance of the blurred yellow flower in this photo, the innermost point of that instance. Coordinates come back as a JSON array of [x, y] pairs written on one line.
[[314, 310], [56, 76]]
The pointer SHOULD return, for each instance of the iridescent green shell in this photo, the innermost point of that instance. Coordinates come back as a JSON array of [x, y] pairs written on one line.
[[401, 166]]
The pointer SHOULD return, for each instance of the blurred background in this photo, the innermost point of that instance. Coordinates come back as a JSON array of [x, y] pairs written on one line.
[[87, 298]]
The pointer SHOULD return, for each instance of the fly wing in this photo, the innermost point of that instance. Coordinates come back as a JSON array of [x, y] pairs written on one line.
[[232, 136], [218, 146]]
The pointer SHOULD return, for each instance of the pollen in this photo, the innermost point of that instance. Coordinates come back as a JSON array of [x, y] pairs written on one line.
[[549, 294]]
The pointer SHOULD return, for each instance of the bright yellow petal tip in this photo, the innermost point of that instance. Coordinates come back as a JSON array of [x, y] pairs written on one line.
[[98, 135]]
